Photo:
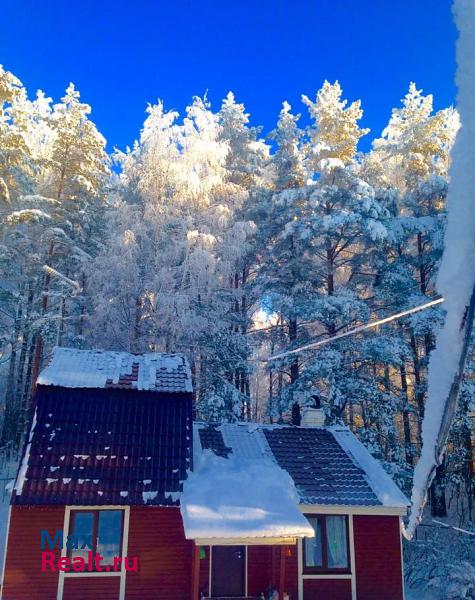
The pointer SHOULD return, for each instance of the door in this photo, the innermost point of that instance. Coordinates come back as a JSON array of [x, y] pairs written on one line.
[[228, 565]]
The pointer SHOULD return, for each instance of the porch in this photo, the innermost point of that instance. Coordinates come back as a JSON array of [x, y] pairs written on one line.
[[244, 572]]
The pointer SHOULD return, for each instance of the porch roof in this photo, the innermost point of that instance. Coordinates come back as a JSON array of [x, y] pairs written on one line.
[[241, 500]]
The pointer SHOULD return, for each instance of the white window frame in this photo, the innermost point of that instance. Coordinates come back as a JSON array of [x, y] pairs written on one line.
[[125, 541], [350, 576]]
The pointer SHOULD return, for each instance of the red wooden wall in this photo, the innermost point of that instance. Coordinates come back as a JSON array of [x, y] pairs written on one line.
[[321, 589], [378, 558], [23, 578], [157, 538], [87, 588], [204, 571], [264, 569]]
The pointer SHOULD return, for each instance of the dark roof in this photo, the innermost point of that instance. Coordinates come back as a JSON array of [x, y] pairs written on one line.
[[212, 439], [328, 466], [89, 445], [155, 372], [322, 471]]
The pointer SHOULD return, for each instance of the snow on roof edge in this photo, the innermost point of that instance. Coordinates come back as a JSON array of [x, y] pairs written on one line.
[[78, 368], [387, 492]]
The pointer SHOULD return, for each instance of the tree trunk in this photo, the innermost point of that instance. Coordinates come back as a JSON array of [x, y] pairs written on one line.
[[26, 405], [294, 371], [39, 338], [405, 416], [11, 406], [438, 505], [419, 392]]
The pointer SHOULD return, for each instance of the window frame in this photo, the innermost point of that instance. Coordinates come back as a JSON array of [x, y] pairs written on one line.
[[95, 532], [325, 569]]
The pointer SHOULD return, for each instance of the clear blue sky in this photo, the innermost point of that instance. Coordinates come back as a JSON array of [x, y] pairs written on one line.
[[124, 54]]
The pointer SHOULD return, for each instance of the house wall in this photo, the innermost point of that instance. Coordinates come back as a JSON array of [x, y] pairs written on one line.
[[376, 563], [263, 569], [87, 588], [23, 578], [205, 563], [336, 589], [378, 558], [157, 538]]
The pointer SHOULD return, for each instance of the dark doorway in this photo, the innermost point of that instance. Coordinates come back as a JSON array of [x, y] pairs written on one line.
[[228, 565]]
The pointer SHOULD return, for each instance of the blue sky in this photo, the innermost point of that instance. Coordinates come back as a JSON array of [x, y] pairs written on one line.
[[124, 54]]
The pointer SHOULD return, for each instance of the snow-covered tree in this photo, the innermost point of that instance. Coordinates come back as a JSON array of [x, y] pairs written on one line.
[[55, 169], [182, 245], [335, 132]]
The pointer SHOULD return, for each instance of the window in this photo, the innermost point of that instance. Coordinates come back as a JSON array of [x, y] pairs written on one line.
[[328, 550], [97, 531]]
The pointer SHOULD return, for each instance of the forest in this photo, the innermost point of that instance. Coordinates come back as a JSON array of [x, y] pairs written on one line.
[[211, 237]]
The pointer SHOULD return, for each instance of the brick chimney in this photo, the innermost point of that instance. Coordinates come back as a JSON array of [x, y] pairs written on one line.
[[313, 416]]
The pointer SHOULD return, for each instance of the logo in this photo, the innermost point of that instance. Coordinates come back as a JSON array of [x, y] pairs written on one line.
[[86, 561]]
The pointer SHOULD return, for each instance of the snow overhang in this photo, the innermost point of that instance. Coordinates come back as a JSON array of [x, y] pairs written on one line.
[[241, 501]]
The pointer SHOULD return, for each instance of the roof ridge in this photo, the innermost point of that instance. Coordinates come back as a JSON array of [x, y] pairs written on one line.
[[96, 368]]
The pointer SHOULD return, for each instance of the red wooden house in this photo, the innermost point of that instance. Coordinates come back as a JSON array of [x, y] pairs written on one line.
[[131, 500]]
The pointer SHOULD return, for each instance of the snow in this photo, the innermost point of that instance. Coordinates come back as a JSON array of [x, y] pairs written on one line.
[[8, 468], [246, 440], [26, 215], [4, 515], [71, 367], [328, 164], [146, 496], [237, 498], [419, 594], [456, 275], [380, 482], [24, 464]]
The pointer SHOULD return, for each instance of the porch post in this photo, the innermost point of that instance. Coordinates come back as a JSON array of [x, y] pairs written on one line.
[[282, 572], [195, 570]]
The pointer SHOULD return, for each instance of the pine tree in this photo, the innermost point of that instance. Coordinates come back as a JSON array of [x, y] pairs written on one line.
[[45, 226], [335, 133]]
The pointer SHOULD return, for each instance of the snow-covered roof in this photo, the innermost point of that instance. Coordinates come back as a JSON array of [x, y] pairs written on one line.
[[380, 482], [240, 499], [90, 447], [73, 368], [250, 480], [327, 466]]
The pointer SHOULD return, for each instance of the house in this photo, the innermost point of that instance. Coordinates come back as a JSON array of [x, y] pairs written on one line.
[[119, 495]]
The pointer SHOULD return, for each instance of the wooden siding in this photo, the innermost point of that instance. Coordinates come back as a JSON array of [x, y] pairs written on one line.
[[204, 571], [89, 588], [319, 589], [156, 537], [378, 558], [263, 569], [24, 579], [259, 571]]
